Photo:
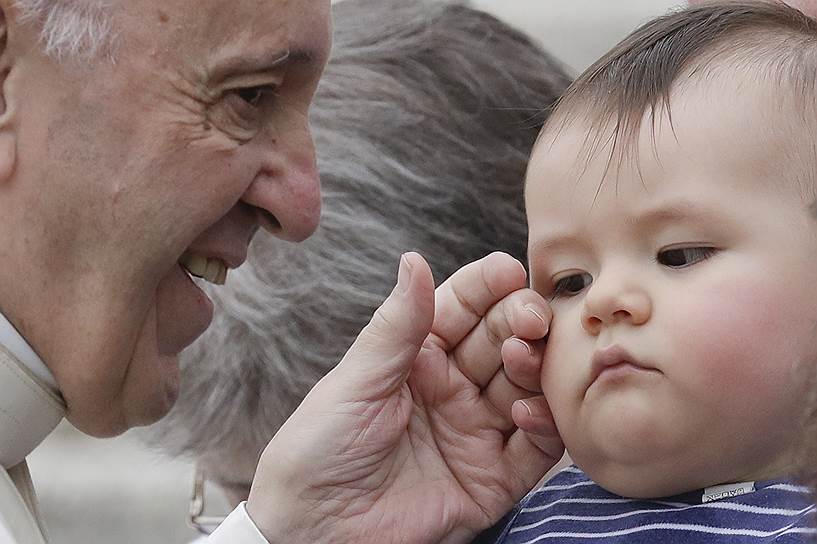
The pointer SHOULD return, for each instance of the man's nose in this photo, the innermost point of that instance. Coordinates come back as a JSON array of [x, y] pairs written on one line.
[[285, 194], [615, 298]]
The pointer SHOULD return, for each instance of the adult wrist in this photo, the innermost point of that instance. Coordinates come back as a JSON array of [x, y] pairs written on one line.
[[265, 526], [271, 520]]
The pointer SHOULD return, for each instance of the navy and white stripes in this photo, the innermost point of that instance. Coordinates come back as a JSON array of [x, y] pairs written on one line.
[[571, 508]]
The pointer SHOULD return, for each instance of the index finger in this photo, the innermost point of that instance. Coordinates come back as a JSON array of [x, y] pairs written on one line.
[[464, 298]]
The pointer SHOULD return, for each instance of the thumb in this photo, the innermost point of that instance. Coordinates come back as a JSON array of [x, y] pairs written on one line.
[[379, 361]]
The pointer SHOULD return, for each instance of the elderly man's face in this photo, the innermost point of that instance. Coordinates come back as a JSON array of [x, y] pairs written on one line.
[[134, 172]]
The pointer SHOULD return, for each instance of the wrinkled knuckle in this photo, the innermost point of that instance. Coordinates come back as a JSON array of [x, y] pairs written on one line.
[[463, 301], [495, 330], [487, 273], [532, 297], [382, 323]]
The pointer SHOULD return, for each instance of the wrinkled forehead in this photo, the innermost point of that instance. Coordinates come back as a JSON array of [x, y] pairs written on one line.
[[216, 28]]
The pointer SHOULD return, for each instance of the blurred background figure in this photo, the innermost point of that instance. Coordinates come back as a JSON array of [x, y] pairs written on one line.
[[423, 138]]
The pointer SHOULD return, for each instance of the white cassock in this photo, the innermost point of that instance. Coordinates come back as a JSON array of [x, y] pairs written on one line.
[[30, 408]]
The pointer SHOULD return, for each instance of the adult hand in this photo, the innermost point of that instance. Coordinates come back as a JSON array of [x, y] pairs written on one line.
[[410, 438]]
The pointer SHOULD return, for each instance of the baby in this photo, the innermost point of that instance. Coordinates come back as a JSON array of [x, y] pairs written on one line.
[[669, 202]]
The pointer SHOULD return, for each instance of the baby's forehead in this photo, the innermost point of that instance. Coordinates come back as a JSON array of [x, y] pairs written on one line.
[[725, 120]]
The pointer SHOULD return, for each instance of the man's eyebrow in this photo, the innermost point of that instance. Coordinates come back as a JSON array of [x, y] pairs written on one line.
[[259, 63]]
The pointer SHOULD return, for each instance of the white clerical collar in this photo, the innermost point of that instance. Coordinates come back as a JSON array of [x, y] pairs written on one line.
[[22, 351], [29, 410], [30, 404]]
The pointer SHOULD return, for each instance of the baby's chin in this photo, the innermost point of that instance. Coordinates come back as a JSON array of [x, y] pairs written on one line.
[[634, 483], [641, 469], [667, 474]]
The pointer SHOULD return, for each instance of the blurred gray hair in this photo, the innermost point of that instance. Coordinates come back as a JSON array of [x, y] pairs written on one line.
[[423, 125], [70, 29]]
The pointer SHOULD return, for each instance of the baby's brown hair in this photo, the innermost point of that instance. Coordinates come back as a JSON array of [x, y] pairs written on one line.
[[775, 42]]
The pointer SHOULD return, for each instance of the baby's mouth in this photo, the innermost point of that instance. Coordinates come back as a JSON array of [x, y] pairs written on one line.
[[211, 270]]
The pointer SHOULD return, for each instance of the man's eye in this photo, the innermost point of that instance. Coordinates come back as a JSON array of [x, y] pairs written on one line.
[[684, 256], [571, 285], [254, 96]]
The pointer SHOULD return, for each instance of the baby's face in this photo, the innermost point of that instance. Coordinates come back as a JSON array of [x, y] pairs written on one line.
[[683, 293]]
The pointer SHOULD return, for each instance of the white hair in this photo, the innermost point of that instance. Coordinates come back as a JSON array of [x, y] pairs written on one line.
[[70, 29]]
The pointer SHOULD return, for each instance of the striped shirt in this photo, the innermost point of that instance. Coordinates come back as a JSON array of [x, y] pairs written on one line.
[[571, 508]]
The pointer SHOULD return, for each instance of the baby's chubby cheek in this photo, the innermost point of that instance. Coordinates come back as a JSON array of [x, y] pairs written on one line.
[[734, 343], [565, 365]]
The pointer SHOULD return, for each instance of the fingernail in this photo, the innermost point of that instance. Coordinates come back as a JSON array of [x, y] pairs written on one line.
[[538, 315], [404, 274], [522, 266], [525, 404], [527, 346]]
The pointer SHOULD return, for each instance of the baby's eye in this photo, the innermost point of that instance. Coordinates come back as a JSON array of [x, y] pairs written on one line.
[[681, 257], [571, 285]]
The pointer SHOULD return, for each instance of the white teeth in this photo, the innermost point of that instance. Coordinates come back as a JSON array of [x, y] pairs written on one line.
[[212, 270]]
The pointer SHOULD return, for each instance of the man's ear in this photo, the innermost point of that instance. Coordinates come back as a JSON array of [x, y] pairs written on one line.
[[8, 132]]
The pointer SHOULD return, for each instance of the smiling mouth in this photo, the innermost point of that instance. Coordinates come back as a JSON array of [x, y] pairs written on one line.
[[211, 270]]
